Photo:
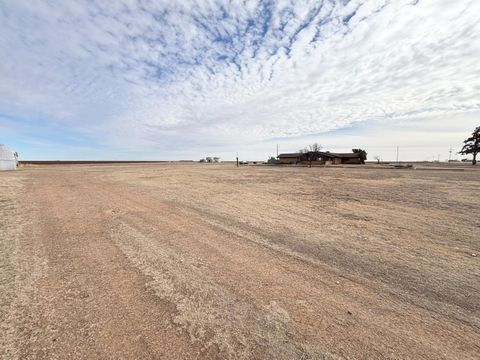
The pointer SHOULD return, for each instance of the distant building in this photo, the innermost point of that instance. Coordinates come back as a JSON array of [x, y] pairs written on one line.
[[292, 158], [8, 158], [341, 158], [320, 158], [210, 159]]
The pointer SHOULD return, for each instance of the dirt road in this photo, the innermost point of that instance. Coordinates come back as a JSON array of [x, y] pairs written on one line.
[[213, 261]]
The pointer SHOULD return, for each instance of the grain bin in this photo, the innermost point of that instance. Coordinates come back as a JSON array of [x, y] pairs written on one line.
[[8, 158]]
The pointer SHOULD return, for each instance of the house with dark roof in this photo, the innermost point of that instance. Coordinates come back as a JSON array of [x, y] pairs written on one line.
[[341, 158], [321, 157], [292, 158]]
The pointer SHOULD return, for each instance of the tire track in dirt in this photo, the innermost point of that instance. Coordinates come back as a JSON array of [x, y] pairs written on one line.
[[225, 256], [21, 266], [91, 303], [130, 273]]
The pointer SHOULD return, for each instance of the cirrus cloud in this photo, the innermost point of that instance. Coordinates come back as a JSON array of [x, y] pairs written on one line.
[[165, 75]]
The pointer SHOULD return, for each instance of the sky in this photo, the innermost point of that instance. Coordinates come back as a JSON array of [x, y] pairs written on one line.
[[167, 80]]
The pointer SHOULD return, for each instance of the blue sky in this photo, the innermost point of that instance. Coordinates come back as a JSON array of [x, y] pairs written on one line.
[[186, 79]]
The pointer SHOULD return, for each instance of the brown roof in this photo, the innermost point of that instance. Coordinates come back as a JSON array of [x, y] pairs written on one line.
[[340, 155], [323, 154], [290, 155]]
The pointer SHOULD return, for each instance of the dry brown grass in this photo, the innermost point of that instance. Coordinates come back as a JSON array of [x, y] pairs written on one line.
[[250, 262], [20, 265]]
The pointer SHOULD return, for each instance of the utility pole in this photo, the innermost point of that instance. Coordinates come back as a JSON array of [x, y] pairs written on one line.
[[237, 158], [397, 153]]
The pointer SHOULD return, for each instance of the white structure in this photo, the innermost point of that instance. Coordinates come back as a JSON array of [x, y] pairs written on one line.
[[8, 158], [210, 159]]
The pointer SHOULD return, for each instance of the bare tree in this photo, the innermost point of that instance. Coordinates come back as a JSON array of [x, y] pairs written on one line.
[[472, 145], [378, 158], [315, 147], [313, 152]]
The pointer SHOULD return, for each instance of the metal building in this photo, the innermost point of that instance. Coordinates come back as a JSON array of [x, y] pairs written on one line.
[[8, 158]]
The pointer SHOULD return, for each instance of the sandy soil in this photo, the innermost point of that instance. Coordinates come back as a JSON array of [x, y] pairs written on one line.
[[212, 261]]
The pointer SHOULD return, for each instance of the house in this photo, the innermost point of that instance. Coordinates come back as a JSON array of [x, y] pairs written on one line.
[[340, 158], [292, 158], [320, 158]]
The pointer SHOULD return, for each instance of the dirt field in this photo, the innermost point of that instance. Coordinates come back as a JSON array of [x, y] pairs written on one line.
[[212, 261]]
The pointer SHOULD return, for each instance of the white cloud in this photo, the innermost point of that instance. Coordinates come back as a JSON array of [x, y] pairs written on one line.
[[165, 75]]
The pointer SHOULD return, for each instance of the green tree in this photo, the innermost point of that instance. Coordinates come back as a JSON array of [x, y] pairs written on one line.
[[363, 154], [472, 145]]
